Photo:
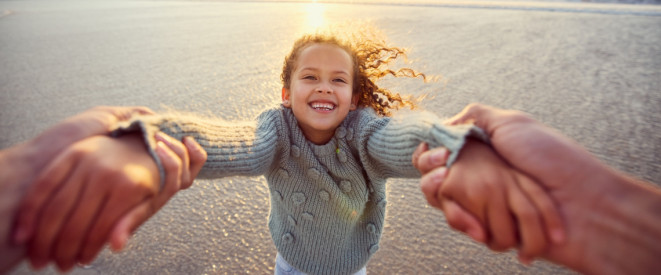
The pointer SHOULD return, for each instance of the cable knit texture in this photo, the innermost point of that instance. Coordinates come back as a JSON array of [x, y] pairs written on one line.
[[327, 201]]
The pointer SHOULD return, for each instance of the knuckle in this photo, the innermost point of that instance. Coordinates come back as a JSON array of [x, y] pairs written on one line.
[[100, 108], [145, 109], [492, 184], [172, 163], [474, 106], [112, 174], [526, 214], [519, 116]]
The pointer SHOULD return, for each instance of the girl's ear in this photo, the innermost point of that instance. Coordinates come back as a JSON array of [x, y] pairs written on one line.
[[285, 97], [354, 102]]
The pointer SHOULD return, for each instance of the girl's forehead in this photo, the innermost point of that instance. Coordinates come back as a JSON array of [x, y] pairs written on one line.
[[325, 54]]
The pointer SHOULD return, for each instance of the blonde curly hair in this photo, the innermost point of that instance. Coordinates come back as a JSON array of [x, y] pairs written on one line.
[[371, 58]]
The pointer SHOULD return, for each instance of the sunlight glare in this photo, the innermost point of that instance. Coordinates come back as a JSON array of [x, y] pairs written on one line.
[[315, 13]]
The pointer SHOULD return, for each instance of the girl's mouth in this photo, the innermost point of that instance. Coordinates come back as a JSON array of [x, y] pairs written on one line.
[[322, 106]]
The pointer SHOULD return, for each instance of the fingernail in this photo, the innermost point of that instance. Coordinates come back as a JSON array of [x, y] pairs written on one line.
[[439, 156], [84, 261]]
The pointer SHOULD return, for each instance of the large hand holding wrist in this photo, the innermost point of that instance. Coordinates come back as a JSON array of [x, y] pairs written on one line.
[[613, 222]]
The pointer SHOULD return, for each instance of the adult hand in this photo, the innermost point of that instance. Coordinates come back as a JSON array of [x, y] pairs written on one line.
[[95, 121], [20, 164], [431, 164], [112, 179], [612, 221], [191, 156]]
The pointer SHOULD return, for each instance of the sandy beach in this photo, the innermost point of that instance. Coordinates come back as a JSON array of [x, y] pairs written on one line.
[[594, 75]]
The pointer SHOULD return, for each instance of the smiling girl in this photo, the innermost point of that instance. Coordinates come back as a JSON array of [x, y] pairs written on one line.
[[326, 152]]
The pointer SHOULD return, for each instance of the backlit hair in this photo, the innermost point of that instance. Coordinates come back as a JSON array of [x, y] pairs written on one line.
[[371, 58]]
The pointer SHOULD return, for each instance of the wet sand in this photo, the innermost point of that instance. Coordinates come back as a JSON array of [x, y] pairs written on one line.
[[595, 76]]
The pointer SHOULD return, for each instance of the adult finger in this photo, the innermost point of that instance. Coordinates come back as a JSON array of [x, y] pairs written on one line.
[[73, 233], [118, 203], [198, 156], [530, 226], [461, 220], [122, 112], [134, 217], [547, 208], [40, 192], [501, 224], [472, 112], [54, 214]]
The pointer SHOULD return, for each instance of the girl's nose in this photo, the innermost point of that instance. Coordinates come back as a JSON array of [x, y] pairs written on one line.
[[324, 89]]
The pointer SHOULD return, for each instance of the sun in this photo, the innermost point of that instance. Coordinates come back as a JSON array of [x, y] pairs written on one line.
[[315, 16]]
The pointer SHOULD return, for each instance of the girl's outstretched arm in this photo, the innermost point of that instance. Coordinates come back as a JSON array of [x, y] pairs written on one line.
[[387, 144], [243, 148]]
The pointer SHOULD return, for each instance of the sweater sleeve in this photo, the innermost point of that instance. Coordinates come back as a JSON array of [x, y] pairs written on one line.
[[389, 142], [233, 148]]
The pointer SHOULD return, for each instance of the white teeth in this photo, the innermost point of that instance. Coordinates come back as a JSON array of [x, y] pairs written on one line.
[[322, 106]]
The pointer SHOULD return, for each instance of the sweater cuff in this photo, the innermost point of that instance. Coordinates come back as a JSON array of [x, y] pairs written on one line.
[[454, 138], [147, 134]]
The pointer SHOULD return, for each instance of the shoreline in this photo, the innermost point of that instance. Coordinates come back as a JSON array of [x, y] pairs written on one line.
[[611, 8]]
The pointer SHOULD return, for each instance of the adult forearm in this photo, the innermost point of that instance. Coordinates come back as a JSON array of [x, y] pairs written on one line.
[[14, 173], [632, 219], [620, 233]]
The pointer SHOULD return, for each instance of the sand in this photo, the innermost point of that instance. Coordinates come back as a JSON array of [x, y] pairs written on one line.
[[594, 75]]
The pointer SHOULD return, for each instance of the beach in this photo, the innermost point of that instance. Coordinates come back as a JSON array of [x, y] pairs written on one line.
[[591, 70]]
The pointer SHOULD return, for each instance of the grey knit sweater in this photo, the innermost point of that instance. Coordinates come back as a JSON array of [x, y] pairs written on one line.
[[327, 201]]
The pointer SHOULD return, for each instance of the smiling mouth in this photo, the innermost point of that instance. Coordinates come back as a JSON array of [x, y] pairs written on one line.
[[322, 106]]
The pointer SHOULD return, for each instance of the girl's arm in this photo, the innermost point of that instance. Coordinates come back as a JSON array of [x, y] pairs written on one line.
[[387, 144], [233, 148]]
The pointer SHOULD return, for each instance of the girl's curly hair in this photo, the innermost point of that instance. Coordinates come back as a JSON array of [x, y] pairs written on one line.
[[371, 58]]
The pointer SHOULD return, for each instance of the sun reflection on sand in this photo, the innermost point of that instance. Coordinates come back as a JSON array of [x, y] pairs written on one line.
[[315, 16]]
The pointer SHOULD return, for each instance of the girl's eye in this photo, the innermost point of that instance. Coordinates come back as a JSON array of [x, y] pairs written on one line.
[[340, 80], [310, 77]]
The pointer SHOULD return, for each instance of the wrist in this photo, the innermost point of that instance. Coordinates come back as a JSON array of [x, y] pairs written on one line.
[[622, 233]]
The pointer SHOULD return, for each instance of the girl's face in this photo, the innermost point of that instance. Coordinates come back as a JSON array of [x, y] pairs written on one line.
[[320, 93]]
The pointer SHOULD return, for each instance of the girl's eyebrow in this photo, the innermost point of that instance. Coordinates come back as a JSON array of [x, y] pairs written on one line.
[[316, 70]]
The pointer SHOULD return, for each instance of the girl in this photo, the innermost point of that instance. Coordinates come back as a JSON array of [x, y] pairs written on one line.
[[326, 152]]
